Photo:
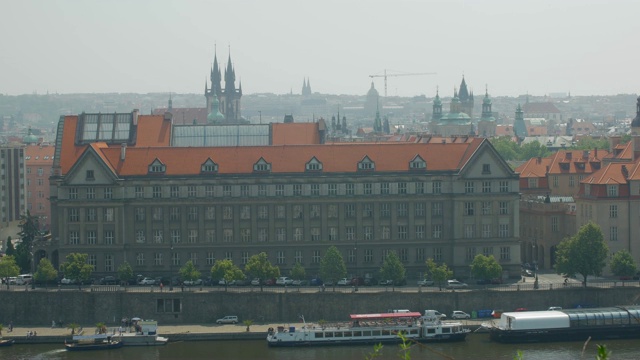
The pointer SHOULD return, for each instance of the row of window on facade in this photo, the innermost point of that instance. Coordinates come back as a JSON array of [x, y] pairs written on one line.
[[313, 165], [262, 212], [193, 191], [291, 257], [316, 234], [39, 182], [39, 171]]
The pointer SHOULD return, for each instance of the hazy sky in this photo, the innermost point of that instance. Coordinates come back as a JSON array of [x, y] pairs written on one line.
[[514, 46]]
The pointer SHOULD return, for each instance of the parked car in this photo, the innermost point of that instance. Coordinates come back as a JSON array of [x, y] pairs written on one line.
[[195, 282], [489, 281], [229, 319], [147, 281], [425, 282], [457, 314], [65, 281], [269, 282], [255, 282], [343, 282], [316, 281], [357, 281], [283, 280], [224, 282], [241, 282], [370, 281], [385, 282], [455, 284], [552, 308], [24, 279], [299, 282], [108, 280], [528, 273]]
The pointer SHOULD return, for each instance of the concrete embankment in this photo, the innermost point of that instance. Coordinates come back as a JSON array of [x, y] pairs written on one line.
[[174, 333]]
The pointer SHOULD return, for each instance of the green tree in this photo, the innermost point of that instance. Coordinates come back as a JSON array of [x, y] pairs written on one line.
[[507, 148], [9, 249], [332, 267], [584, 253], [298, 272], [485, 267], [533, 149], [439, 274], [225, 269], [76, 268], [46, 272], [29, 233], [393, 269], [622, 264], [260, 267], [589, 143], [189, 272], [8, 268], [125, 273]]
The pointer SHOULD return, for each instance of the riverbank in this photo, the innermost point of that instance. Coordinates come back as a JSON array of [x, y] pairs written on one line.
[[193, 332]]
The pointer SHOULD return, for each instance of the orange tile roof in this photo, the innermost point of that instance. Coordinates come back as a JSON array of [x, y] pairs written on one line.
[[36, 154], [69, 153], [295, 133], [610, 174], [576, 157], [388, 157], [534, 167], [153, 130]]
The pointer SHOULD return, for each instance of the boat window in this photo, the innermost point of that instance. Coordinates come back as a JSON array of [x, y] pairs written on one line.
[[328, 334], [386, 332], [357, 333], [431, 331], [446, 330], [348, 334], [337, 334], [319, 335]]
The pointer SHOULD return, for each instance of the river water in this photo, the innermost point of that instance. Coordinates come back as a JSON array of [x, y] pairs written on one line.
[[477, 346]]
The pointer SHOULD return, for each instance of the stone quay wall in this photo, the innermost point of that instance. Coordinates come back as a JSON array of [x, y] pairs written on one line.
[[40, 307]]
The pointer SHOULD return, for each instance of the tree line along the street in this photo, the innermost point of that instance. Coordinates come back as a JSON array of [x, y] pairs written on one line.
[[584, 254]]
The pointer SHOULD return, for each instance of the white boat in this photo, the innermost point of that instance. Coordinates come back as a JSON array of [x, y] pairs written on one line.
[[145, 333], [371, 329]]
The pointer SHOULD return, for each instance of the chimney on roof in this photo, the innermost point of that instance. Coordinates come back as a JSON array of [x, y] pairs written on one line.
[[625, 172], [568, 155], [539, 159], [123, 151], [135, 116], [547, 169], [168, 116], [595, 153]]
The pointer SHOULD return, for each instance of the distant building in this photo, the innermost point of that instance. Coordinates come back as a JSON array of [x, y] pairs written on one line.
[[13, 190], [39, 162]]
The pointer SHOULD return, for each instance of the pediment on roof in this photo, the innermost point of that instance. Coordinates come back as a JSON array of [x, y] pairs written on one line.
[[157, 167], [486, 163], [366, 164], [90, 169], [209, 167], [417, 163], [313, 165], [262, 166]]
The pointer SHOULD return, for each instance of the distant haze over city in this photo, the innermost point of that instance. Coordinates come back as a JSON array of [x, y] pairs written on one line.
[[514, 47]]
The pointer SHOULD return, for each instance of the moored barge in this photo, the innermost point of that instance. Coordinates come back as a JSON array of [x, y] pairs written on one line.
[[621, 322]]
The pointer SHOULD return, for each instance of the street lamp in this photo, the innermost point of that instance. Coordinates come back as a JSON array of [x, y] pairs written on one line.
[[171, 268], [355, 253]]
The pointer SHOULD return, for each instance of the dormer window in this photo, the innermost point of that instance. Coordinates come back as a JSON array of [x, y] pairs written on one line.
[[157, 167], [89, 175], [262, 166], [486, 168], [417, 163], [366, 164], [209, 167], [313, 165]]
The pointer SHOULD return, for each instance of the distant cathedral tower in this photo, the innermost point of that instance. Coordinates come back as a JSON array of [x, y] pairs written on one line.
[[306, 87], [466, 99], [635, 123], [228, 97]]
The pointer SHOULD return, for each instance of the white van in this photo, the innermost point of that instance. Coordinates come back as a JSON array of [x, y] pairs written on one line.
[[24, 279]]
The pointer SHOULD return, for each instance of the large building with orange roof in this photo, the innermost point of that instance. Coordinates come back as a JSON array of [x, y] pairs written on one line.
[[159, 197]]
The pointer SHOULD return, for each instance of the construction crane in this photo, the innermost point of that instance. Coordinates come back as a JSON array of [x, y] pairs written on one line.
[[385, 75]]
